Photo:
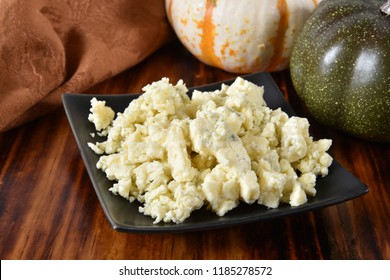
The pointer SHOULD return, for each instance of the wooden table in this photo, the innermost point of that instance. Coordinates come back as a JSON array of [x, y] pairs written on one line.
[[49, 209]]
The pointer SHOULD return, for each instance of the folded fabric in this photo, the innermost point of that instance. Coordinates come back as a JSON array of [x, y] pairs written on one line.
[[51, 47]]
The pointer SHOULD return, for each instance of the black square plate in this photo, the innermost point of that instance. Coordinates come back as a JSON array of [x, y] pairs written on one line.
[[337, 187]]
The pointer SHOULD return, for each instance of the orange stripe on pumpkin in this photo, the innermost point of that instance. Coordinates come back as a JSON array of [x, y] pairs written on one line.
[[208, 33], [278, 41]]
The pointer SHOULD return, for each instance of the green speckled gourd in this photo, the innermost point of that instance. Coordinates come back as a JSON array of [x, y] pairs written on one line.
[[340, 67]]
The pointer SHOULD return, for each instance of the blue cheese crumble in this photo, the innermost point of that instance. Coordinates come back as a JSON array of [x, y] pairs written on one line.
[[175, 155]]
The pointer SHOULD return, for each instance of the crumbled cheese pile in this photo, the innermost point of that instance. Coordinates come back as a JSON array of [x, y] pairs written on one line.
[[175, 154]]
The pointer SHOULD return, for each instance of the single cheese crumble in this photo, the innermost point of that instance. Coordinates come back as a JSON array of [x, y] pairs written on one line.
[[175, 155]]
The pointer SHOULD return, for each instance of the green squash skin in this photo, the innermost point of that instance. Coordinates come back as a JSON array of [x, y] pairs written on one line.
[[340, 67]]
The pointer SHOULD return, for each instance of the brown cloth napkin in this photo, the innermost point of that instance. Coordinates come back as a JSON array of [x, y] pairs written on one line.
[[51, 47]]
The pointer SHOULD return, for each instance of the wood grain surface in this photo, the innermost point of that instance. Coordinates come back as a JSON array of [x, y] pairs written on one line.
[[49, 209]]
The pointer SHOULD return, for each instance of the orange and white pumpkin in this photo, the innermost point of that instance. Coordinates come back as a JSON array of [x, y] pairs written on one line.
[[240, 36]]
